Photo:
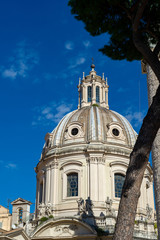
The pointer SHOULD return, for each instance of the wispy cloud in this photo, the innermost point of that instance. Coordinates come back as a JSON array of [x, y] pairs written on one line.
[[134, 117], [22, 61], [61, 111], [76, 62], [11, 166], [87, 43], [52, 113], [69, 45], [9, 73]]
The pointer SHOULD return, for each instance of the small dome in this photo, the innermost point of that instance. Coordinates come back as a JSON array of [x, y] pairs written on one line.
[[93, 124]]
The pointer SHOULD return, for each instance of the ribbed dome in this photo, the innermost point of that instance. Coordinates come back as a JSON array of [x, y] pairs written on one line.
[[92, 124]]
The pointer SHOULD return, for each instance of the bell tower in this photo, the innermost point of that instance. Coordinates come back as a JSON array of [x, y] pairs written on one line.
[[93, 89]]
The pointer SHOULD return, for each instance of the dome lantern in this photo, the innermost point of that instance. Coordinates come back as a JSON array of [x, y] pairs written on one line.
[[93, 89]]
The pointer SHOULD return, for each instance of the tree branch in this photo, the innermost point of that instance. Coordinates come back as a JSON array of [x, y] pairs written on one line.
[[126, 10], [150, 33], [139, 14], [157, 48], [150, 56], [135, 6], [134, 176]]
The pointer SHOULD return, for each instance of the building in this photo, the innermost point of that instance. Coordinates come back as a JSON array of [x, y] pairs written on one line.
[[5, 218], [81, 172], [82, 167], [20, 212]]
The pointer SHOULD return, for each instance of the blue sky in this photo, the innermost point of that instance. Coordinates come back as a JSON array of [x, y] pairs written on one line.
[[44, 51]]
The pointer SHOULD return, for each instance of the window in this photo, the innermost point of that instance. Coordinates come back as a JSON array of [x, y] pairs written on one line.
[[89, 94], [115, 132], [97, 94], [118, 182], [74, 131], [47, 143], [20, 215], [72, 184], [0, 224]]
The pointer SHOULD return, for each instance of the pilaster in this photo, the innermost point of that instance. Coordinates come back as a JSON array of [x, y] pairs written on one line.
[[96, 170], [47, 190]]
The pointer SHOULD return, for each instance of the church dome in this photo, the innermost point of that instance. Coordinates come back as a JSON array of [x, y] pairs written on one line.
[[91, 124], [84, 161]]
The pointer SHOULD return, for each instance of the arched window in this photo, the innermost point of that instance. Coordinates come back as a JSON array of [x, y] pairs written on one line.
[[118, 183], [72, 184], [89, 94], [20, 215], [97, 94]]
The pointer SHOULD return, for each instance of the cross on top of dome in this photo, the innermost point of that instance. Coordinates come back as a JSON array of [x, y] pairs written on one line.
[[92, 66]]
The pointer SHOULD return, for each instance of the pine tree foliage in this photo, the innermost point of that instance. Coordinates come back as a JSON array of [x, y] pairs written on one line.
[[117, 18]]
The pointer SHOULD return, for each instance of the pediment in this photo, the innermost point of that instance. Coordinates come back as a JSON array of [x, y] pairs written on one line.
[[20, 201], [65, 228]]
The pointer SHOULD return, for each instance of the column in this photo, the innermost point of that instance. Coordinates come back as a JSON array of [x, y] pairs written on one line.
[[84, 95], [43, 194], [88, 178], [79, 100], [93, 179], [55, 184], [101, 179], [52, 184], [47, 189], [37, 196], [106, 100], [93, 92], [101, 95]]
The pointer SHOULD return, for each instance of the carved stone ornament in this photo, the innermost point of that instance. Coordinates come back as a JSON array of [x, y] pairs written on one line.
[[149, 211], [88, 207], [109, 209], [41, 210], [81, 207], [48, 210], [44, 210], [96, 160], [42, 171], [54, 164], [85, 207], [66, 229]]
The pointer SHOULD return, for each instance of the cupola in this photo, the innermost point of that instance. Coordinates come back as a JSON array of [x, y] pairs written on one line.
[[93, 90]]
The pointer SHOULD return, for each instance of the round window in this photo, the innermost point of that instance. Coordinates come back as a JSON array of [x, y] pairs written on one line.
[[115, 132], [74, 131]]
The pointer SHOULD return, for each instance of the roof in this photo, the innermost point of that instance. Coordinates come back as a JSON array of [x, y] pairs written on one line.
[[20, 201], [16, 233], [93, 124]]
